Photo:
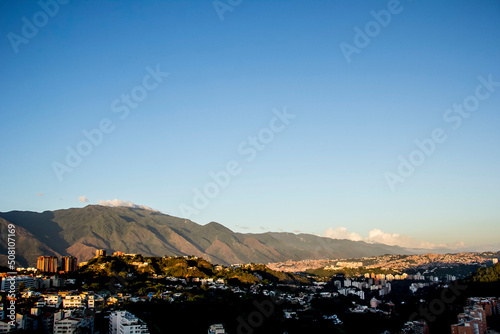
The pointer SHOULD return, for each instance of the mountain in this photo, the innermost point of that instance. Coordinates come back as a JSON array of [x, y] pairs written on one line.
[[80, 231]]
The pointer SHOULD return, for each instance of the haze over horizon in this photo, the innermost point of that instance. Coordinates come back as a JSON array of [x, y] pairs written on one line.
[[271, 116]]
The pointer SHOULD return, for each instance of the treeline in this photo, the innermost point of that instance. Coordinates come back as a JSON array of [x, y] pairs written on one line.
[[487, 275]]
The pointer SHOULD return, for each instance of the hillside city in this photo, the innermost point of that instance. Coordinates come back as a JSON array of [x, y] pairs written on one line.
[[129, 293], [394, 262]]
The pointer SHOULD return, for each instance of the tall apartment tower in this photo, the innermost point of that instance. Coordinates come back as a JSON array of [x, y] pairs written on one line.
[[69, 264], [47, 264], [100, 252]]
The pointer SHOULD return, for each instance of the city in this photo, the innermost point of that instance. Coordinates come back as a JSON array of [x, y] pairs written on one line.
[[102, 294]]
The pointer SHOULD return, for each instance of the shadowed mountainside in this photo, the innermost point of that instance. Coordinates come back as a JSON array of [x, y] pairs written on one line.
[[80, 231], [28, 247]]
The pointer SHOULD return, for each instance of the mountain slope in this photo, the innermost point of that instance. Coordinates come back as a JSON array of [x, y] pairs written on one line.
[[80, 231], [27, 246]]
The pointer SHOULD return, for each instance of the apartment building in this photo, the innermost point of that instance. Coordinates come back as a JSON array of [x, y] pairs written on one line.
[[47, 264], [73, 322], [123, 322]]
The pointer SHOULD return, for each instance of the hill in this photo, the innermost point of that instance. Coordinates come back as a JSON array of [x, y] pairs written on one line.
[[138, 268], [80, 231]]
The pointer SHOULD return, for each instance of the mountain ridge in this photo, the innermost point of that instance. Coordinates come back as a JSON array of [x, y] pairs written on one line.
[[80, 231]]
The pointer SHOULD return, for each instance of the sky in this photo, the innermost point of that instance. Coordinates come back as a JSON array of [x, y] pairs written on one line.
[[375, 121]]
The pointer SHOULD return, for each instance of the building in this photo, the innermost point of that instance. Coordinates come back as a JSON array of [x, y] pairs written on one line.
[[100, 252], [73, 322], [46, 322], [473, 319], [69, 264], [475, 316], [28, 281], [489, 304], [5, 327], [29, 322], [123, 322], [463, 328], [73, 325], [416, 327], [216, 329], [47, 264], [73, 301], [53, 300], [91, 301], [57, 282], [479, 315]]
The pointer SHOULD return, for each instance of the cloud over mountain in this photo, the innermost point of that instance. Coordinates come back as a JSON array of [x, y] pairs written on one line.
[[128, 204], [342, 233], [392, 239]]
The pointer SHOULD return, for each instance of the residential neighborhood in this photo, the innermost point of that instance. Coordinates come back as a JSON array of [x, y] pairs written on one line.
[[105, 294]]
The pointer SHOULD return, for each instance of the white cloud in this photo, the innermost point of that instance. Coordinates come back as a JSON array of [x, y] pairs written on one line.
[[83, 199], [128, 204], [393, 239], [342, 233]]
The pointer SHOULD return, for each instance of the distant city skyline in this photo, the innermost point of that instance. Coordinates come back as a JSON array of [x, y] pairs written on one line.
[[367, 121]]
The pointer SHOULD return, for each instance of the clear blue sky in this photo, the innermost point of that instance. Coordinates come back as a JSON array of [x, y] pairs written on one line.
[[326, 169]]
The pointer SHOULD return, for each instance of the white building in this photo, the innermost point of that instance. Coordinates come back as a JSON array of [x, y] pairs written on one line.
[[73, 301], [90, 301], [53, 299], [123, 322]]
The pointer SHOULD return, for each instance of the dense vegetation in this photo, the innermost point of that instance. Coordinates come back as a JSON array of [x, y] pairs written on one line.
[[487, 275], [350, 272]]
